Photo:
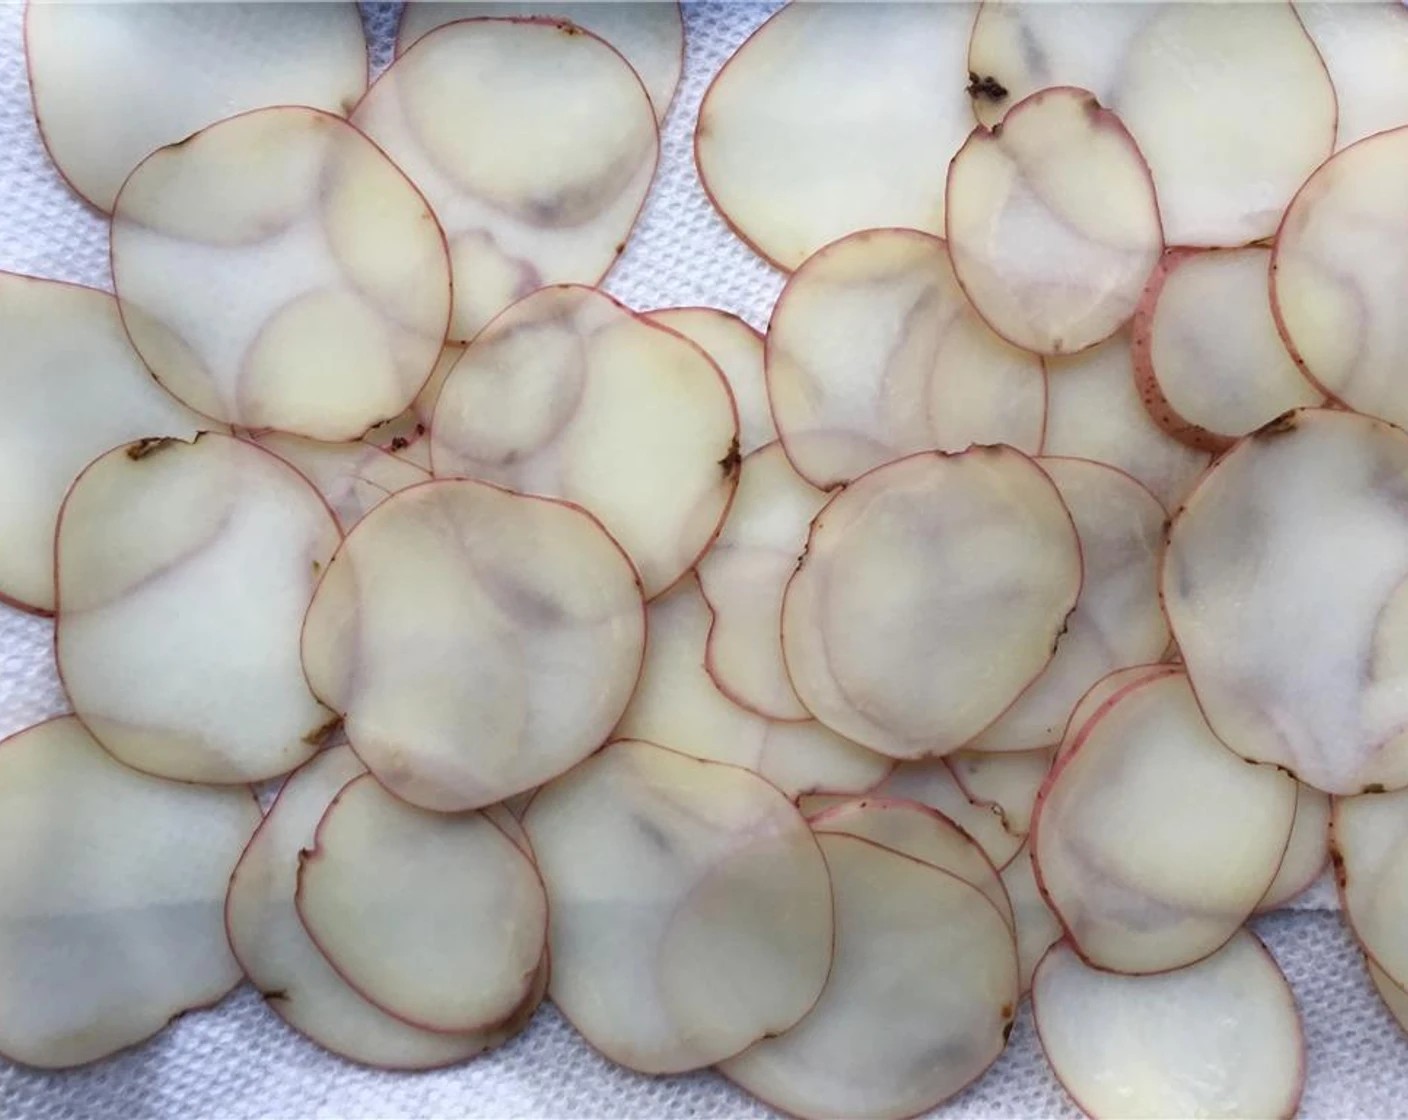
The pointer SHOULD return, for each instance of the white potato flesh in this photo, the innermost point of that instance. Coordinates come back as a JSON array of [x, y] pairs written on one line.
[[73, 389], [1220, 1038], [691, 906], [476, 642], [737, 349], [802, 138], [1210, 363], [1284, 582], [1052, 223], [111, 884], [276, 270], [570, 395], [678, 704], [919, 1002], [113, 82], [281, 960], [650, 35], [931, 782], [1337, 274], [743, 578], [931, 593], [184, 571], [1009, 780], [1365, 48], [1094, 412], [1230, 104], [1307, 851], [922, 833], [1037, 927], [1153, 843], [1118, 621], [1101, 695], [535, 143], [874, 352], [438, 919], [1370, 845], [1395, 998], [351, 477]]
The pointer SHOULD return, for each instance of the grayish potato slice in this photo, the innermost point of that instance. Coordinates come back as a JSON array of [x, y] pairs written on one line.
[[1370, 846]]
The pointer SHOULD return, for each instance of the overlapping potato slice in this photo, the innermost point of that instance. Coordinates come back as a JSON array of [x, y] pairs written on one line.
[[1370, 854], [351, 477], [1307, 852], [1365, 48], [1006, 779]]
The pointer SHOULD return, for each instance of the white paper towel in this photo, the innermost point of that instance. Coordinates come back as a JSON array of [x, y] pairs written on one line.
[[239, 1060]]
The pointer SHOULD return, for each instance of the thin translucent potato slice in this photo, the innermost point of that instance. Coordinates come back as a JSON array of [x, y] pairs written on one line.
[[1370, 845], [1365, 48], [351, 477], [1102, 695], [1037, 927], [1307, 851], [1394, 997], [1008, 779]]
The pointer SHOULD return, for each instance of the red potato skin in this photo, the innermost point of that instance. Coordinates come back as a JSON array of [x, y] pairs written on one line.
[[1156, 670], [1300, 1031]]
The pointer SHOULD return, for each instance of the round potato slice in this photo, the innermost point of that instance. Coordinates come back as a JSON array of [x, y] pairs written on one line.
[[1307, 851], [73, 389], [919, 1002], [1153, 843], [1286, 585], [477, 642], [276, 270], [113, 82], [691, 907], [110, 897], [1370, 855], [571, 395], [1220, 1038], [874, 352], [184, 570], [1052, 222], [931, 593], [535, 143]]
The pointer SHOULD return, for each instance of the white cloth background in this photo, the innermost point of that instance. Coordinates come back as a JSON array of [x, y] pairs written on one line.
[[239, 1060]]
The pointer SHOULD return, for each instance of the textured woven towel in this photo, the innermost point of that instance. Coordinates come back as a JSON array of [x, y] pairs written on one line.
[[240, 1061]]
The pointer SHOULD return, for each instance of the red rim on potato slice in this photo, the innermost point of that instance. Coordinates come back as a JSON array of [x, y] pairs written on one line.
[[1286, 584], [475, 641], [276, 270], [1052, 222], [183, 573], [112, 82], [1369, 841], [1337, 276], [1152, 842], [874, 352], [534, 142], [111, 885], [1307, 851], [282, 962], [802, 138], [352, 477], [439, 919], [691, 906], [1209, 361], [1365, 49], [1007, 779], [1230, 104], [1220, 1038], [1037, 927], [1102, 696], [649, 35], [931, 593], [73, 389], [680, 705], [570, 395], [919, 1002]]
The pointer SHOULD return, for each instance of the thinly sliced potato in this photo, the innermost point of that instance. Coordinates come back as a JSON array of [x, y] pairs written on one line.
[[1210, 364], [476, 642], [931, 593], [1009, 780], [874, 352], [351, 477], [1220, 1038], [1152, 842], [1307, 852], [73, 389], [276, 270], [1365, 48], [1395, 998], [1286, 584], [1037, 927], [805, 136], [679, 705], [1052, 222], [570, 395], [535, 143], [1117, 622], [691, 908], [1369, 838], [1101, 695], [931, 782], [1230, 104], [113, 82], [183, 572], [919, 1002], [110, 897]]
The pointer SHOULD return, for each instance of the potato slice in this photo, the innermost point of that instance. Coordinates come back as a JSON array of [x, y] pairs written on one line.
[[1365, 48], [351, 477], [1307, 852], [1369, 841]]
